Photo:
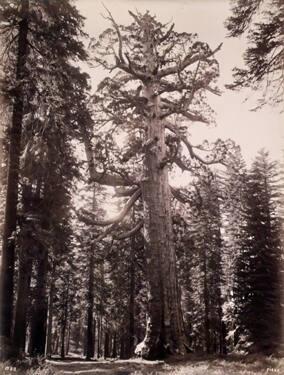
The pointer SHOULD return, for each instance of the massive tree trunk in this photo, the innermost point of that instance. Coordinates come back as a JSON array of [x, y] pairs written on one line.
[[165, 332], [10, 221], [39, 311], [171, 70]]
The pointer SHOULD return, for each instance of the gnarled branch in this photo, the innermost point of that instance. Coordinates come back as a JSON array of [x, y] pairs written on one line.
[[115, 25], [131, 232], [89, 218], [187, 61], [167, 34], [176, 108], [189, 147], [102, 178], [108, 231], [122, 192], [182, 165]]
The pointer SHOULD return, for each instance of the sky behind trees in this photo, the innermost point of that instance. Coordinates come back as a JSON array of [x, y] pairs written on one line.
[[252, 130]]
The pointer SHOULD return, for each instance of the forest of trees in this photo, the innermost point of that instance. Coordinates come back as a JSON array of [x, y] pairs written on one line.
[[196, 269]]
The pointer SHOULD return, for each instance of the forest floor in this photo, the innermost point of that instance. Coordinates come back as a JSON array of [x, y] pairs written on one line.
[[231, 366]]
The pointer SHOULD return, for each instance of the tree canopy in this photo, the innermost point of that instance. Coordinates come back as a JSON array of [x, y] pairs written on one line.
[[261, 21]]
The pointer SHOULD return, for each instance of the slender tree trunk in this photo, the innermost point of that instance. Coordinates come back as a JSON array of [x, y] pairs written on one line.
[[63, 333], [122, 347], [39, 311], [114, 346], [107, 344], [23, 295], [95, 337], [223, 345], [68, 338], [56, 342], [99, 335], [50, 316], [10, 220], [165, 329], [64, 322], [206, 306], [90, 308], [129, 350]]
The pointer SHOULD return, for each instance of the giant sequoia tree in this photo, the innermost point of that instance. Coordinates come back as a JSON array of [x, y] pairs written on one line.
[[158, 83]]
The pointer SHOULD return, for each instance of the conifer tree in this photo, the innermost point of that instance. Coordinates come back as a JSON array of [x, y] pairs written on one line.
[[257, 286], [8, 252], [159, 73], [262, 23], [232, 208], [201, 264], [45, 125]]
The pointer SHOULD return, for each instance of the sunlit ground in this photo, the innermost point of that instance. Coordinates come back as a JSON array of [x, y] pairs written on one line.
[[230, 366]]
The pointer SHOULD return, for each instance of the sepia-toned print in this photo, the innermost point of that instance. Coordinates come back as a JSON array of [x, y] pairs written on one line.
[[141, 187]]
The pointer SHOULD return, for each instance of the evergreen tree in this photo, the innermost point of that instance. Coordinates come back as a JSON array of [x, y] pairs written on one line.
[[45, 105], [10, 221], [257, 286], [262, 23], [201, 266], [232, 203]]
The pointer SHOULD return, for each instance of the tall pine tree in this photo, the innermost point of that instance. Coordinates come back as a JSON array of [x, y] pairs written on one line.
[[257, 286]]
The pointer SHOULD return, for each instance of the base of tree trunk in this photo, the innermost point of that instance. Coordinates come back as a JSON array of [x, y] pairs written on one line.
[[154, 347]]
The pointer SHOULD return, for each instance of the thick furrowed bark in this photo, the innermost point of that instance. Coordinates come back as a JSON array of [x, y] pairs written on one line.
[[165, 327]]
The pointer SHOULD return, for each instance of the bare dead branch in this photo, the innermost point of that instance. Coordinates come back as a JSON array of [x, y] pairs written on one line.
[[115, 25], [167, 34], [187, 61]]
